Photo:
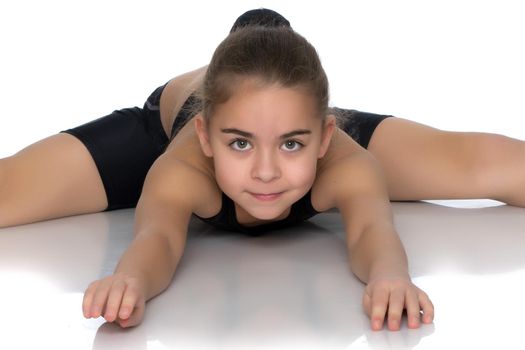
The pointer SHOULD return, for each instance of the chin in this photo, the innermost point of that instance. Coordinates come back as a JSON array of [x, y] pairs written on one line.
[[266, 217], [267, 214]]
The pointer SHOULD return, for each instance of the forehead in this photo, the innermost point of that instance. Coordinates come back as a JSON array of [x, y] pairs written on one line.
[[254, 105]]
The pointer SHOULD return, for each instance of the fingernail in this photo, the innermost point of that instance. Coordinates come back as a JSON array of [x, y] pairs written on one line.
[[124, 313], [376, 324], [394, 324]]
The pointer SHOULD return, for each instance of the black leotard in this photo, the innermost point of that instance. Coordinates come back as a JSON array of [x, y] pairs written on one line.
[[125, 143]]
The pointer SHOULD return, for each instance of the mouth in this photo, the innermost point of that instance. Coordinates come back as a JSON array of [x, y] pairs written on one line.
[[266, 196]]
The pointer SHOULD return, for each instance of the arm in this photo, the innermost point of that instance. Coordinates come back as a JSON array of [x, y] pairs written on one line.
[[373, 245], [377, 256], [147, 266], [161, 220]]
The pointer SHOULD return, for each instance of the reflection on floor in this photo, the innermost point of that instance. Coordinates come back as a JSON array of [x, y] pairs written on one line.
[[289, 289]]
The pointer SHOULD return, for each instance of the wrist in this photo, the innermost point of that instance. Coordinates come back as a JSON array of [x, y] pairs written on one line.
[[389, 266], [388, 273], [389, 277]]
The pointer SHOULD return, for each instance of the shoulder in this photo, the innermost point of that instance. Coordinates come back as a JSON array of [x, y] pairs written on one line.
[[177, 183], [347, 170]]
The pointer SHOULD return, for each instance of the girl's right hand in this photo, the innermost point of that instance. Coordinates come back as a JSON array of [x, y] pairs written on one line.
[[118, 298]]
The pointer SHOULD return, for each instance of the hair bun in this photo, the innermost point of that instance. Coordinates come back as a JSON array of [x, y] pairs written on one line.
[[262, 17]]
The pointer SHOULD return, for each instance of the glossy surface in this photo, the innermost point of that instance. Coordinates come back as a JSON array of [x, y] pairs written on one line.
[[287, 290]]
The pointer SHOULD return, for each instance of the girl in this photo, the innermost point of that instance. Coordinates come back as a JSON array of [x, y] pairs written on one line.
[[248, 143]]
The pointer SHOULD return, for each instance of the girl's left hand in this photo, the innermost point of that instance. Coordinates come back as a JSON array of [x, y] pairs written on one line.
[[392, 296]]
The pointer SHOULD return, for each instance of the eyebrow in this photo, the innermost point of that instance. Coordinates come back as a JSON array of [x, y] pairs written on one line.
[[249, 135]]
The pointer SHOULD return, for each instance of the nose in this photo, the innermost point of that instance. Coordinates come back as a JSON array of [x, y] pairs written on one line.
[[266, 167]]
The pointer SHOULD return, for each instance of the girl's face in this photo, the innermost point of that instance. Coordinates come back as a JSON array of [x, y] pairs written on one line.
[[265, 143]]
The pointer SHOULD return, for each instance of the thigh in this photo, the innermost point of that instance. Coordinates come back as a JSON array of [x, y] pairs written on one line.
[[123, 146], [54, 177], [421, 162], [100, 165]]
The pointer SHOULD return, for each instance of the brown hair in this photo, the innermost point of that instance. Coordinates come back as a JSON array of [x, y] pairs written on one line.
[[272, 55]]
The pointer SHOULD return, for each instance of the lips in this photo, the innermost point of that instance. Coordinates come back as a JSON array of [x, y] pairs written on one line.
[[266, 196]]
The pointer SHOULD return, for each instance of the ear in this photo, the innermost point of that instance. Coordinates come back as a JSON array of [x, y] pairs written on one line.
[[328, 131], [202, 133]]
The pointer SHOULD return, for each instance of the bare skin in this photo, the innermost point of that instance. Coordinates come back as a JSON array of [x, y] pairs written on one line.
[[434, 164], [389, 282]]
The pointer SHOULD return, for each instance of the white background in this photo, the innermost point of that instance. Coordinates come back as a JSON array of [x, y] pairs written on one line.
[[456, 65]]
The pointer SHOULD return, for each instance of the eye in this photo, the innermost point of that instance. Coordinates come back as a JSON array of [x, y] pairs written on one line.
[[292, 145], [240, 145]]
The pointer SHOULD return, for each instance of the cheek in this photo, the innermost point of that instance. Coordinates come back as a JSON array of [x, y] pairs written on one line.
[[228, 172], [301, 172]]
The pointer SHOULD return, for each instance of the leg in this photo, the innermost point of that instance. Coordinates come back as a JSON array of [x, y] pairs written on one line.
[[422, 162], [52, 178], [100, 165]]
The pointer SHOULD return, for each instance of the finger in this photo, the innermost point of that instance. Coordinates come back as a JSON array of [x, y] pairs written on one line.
[[379, 306], [88, 299], [132, 308], [413, 309], [129, 301], [427, 307], [396, 304], [99, 299], [114, 299], [134, 319], [367, 303]]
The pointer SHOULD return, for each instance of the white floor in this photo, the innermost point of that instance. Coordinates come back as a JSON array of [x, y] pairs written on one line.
[[287, 290]]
